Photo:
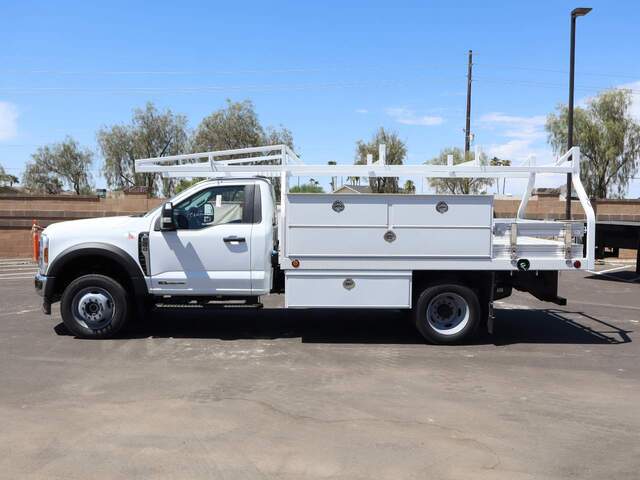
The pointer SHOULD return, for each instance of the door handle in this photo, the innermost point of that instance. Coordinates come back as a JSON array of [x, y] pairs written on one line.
[[233, 239]]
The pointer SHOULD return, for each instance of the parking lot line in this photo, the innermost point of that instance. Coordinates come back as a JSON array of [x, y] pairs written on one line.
[[609, 270], [17, 277]]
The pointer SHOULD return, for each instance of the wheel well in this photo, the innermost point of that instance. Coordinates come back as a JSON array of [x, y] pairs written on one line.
[[92, 264]]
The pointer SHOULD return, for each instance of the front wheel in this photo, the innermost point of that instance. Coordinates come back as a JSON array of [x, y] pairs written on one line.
[[94, 306], [447, 313]]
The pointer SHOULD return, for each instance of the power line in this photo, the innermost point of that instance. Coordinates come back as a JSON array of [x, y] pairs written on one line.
[[553, 70], [182, 89], [296, 69], [506, 81], [208, 88], [271, 87], [252, 71]]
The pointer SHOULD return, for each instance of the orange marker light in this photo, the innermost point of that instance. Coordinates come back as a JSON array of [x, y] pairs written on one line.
[[295, 263]]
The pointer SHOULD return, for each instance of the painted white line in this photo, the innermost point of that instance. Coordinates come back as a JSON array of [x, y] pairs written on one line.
[[604, 272], [17, 269], [20, 312], [510, 306]]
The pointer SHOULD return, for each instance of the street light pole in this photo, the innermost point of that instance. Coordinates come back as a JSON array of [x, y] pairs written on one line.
[[575, 13], [467, 128]]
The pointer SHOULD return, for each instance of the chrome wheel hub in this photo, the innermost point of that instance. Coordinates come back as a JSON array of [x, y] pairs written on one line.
[[93, 307], [448, 313]]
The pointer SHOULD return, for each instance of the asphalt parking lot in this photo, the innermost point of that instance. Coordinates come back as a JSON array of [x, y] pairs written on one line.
[[555, 393]]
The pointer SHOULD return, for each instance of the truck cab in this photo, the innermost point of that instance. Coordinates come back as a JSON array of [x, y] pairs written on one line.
[[214, 240]]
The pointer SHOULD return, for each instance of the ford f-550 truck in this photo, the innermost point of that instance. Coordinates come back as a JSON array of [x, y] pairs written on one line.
[[444, 258]]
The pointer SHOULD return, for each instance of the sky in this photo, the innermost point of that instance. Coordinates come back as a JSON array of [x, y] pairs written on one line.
[[332, 71]]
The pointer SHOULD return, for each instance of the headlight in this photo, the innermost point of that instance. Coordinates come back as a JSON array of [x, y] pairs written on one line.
[[43, 257]]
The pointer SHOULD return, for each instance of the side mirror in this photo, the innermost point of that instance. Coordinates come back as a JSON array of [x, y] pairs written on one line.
[[207, 214], [167, 223]]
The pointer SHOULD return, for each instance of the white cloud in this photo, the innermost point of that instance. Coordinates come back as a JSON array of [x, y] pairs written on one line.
[[406, 116], [524, 134], [635, 98], [362, 110], [635, 102], [8, 121], [529, 128]]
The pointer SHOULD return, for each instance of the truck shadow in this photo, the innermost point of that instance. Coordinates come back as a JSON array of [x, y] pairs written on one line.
[[512, 326], [555, 326], [627, 276]]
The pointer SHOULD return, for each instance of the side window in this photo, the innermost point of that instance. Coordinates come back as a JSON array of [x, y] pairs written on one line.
[[210, 207]]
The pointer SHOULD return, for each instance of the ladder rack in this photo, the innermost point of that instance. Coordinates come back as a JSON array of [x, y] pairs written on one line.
[[275, 160], [281, 161]]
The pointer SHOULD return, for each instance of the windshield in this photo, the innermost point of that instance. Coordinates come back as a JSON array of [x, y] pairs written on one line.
[[171, 199], [151, 212]]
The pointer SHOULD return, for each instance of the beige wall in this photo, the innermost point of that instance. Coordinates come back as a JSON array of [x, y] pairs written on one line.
[[17, 213]]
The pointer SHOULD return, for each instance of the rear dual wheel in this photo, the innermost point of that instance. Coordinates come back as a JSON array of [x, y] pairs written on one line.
[[446, 314]]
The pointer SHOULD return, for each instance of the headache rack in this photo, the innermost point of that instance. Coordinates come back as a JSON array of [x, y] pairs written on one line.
[[545, 244]]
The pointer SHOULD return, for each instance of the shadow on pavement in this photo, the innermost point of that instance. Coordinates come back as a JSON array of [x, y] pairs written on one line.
[[555, 326], [627, 276], [512, 326]]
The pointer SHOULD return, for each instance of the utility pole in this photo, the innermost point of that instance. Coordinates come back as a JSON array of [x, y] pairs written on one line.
[[467, 129]]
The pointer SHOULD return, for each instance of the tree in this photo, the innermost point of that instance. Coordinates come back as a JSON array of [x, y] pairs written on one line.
[[58, 165], [151, 133], [183, 184], [409, 187], [7, 178], [396, 150], [237, 126], [498, 162], [609, 141], [311, 187], [458, 185]]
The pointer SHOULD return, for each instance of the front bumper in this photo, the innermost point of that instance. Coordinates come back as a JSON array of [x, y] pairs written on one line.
[[44, 287], [40, 282]]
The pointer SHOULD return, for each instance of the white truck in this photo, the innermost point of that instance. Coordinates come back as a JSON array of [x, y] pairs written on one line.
[[225, 240]]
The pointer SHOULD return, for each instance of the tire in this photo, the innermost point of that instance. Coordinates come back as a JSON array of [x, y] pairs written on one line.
[[446, 314], [94, 306]]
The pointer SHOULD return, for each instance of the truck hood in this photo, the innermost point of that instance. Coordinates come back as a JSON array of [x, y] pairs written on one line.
[[94, 229], [118, 232]]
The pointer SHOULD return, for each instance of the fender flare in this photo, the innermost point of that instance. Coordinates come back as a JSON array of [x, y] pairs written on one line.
[[111, 252]]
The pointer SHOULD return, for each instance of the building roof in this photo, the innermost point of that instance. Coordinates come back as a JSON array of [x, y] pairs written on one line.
[[353, 189]]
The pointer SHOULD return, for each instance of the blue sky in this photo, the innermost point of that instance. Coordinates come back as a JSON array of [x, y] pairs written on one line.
[[332, 72]]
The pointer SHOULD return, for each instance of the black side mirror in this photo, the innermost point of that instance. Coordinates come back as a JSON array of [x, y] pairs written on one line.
[[167, 223]]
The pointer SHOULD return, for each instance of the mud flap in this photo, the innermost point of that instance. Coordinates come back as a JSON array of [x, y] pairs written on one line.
[[541, 284]]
